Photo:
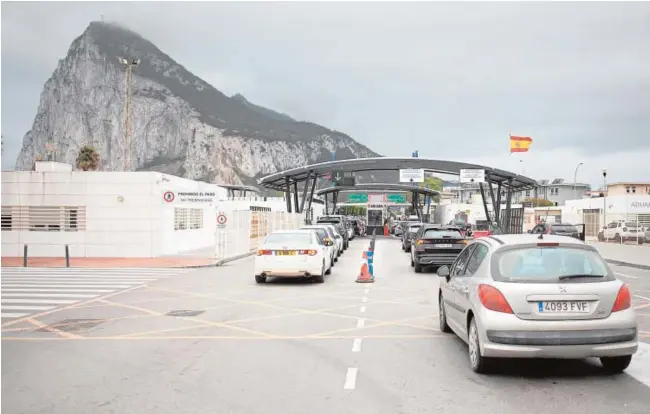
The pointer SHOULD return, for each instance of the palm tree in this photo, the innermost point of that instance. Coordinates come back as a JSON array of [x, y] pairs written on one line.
[[88, 158]]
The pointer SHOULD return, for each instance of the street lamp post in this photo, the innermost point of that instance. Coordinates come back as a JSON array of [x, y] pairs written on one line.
[[575, 177], [129, 65], [604, 197]]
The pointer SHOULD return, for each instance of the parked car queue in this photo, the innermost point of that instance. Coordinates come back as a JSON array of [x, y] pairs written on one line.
[[310, 251]]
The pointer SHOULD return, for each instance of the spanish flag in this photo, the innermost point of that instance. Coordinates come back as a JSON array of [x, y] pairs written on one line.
[[520, 144]]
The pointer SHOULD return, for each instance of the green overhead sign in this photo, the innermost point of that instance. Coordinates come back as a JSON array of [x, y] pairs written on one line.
[[357, 198], [396, 198]]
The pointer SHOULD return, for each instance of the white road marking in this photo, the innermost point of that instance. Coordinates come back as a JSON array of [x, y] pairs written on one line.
[[638, 368], [361, 323], [356, 345], [30, 307], [624, 275], [642, 297], [364, 299], [350, 379], [63, 290], [46, 295], [94, 286], [366, 291], [75, 279], [363, 309], [12, 315], [40, 301]]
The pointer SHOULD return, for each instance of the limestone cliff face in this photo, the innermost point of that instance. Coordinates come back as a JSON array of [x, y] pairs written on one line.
[[181, 125]]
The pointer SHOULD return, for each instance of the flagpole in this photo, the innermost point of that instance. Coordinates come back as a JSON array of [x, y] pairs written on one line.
[[510, 143]]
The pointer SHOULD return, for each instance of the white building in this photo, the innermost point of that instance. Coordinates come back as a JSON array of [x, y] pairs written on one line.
[[598, 212], [118, 214]]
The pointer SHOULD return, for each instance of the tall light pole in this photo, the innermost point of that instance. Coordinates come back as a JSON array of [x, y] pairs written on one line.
[[575, 177], [129, 65], [604, 197]]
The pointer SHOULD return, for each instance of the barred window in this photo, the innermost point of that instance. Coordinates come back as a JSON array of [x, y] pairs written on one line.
[[196, 218], [43, 218], [180, 218], [7, 218]]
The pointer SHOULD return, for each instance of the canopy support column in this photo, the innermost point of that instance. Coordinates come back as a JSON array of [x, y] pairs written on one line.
[[508, 207], [311, 195], [296, 204], [485, 206], [304, 193], [287, 194]]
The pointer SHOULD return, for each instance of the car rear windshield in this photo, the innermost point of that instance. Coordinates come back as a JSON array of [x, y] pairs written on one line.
[[631, 224], [440, 233], [548, 264], [329, 220], [279, 238]]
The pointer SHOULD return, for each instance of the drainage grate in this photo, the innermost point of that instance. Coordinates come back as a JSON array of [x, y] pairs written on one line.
[[184, 312], [71, 325]]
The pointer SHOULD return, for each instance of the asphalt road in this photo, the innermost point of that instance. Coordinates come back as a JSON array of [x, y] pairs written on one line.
[[289, 347]]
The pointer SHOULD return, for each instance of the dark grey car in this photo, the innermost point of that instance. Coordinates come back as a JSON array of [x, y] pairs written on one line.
[[410, 230]]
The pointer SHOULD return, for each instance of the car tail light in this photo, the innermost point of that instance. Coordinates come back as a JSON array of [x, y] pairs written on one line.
[[493, 299], [309, 252], [549, 244], [264, 252], [623, 299], [419, 242]]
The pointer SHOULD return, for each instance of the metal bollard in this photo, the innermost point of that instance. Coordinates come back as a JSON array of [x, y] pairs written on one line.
[[25, 256], [67, 256]]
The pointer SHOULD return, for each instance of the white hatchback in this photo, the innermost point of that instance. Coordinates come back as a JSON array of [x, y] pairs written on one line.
[[293, 253]]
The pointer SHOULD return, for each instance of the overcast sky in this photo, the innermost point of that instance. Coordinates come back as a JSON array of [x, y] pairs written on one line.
[[449, 79]]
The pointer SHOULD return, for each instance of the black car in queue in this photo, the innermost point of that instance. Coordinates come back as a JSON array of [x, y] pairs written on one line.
[[410, 230], [339, 225], [437, 245]]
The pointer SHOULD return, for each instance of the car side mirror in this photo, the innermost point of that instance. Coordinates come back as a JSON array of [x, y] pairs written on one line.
[[443, 271]]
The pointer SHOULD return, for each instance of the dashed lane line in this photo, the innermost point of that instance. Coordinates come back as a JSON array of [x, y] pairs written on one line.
[[350, 379]]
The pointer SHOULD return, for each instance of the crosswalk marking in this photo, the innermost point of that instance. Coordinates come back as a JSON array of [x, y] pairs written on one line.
[[12, 314], [26, 291]]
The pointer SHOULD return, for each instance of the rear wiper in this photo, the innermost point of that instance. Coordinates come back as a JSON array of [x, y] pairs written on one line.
[[564, 277]]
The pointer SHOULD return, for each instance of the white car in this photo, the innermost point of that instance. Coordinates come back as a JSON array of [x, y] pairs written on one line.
[[323, 234], [293, 253], [333, 234]]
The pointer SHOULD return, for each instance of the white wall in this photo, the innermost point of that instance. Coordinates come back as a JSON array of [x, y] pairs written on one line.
[[119, 218], [125, 213]]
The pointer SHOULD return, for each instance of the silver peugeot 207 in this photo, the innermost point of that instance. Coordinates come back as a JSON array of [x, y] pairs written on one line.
[[530, 296]]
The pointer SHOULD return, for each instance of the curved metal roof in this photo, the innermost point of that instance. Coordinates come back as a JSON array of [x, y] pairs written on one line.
[[492, 175], [379, 187]]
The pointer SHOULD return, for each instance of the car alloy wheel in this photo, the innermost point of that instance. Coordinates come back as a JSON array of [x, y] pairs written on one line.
[[478, 363]]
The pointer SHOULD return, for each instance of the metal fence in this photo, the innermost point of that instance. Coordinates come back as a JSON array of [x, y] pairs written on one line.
[[246, 230]]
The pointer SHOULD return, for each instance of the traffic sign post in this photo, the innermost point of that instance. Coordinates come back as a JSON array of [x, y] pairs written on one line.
[[221, 220]]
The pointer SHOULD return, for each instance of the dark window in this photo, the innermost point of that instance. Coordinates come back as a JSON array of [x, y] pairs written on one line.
[[439, 234], [480, 251]]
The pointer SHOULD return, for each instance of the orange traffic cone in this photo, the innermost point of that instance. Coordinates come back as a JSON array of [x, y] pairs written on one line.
[[364, 274]]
